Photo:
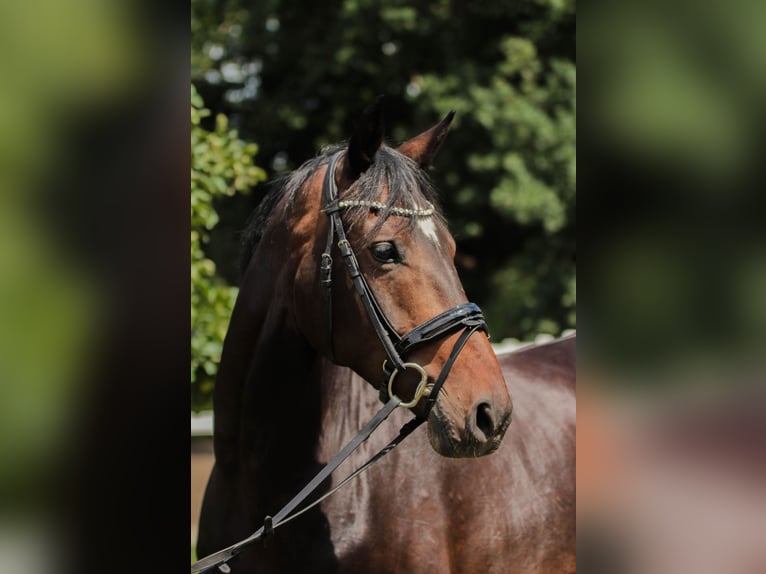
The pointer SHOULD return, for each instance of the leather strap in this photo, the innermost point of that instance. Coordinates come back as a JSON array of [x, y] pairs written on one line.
[[383, 329], [223, 556], [439, 326], [330, 196], [459, 344]]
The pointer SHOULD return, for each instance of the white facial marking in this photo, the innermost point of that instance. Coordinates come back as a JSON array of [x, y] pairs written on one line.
[[426, 224]]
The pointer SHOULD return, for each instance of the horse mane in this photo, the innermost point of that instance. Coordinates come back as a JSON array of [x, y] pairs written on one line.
[[408, 186]]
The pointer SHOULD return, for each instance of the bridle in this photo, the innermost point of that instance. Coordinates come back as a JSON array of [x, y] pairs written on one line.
[[466, 317]]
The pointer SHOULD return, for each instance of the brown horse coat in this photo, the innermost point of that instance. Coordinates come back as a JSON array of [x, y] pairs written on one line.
[[415, 511], [282, 409]]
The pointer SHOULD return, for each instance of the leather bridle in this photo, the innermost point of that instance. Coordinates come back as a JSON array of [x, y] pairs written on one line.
[[466, 317]]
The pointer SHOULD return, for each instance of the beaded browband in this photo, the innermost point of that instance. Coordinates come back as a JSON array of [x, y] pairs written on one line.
[[378, 206]]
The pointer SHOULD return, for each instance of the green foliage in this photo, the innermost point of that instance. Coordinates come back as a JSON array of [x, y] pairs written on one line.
[[527, 162], [298, 74], [221, 166]]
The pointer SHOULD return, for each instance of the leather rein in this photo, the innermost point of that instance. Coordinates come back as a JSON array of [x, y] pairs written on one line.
[[466, 317]]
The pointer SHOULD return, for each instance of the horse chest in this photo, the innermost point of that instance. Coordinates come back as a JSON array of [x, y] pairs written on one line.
[[405, 517]]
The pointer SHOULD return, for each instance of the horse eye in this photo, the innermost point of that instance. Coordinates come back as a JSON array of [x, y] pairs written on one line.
[[385, 252]]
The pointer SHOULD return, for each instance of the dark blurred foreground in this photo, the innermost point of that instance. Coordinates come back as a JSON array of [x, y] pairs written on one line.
[[94, 288], [672, 402], [671, 484]]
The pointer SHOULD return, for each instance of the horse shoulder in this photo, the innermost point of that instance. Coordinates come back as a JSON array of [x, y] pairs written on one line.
[[534, 467]]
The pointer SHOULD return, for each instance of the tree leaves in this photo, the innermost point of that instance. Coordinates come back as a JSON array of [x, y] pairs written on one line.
[[222, 165], [507, 172]]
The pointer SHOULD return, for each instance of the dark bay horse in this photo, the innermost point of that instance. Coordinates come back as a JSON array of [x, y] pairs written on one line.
[[283, 408]]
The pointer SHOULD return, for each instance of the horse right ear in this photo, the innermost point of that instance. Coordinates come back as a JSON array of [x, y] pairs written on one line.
[[366, 140], [423, 148]]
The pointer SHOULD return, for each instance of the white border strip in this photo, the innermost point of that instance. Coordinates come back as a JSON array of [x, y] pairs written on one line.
[[202, 424]]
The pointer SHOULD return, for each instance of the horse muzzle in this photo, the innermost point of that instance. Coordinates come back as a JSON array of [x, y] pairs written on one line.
[[468, 433]]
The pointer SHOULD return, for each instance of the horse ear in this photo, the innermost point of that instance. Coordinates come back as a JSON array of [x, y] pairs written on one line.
[[366, 140], [422, 148]]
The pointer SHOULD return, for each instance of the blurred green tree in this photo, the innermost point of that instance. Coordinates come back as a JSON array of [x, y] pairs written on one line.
[[298, 74], [221, 166]]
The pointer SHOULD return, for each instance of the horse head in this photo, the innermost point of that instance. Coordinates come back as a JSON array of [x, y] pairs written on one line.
[[405, 254]]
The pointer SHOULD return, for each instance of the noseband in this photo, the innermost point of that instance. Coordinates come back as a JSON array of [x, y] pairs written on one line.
[[466, 317]]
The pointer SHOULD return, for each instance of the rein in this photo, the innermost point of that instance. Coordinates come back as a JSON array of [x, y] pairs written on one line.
[[284, 516], [467, 317]]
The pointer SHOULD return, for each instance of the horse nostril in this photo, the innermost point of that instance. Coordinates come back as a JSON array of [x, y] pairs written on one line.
[[484, 419]]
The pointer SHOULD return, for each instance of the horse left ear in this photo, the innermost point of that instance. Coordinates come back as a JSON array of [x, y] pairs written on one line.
[[422, 148], [366, 140]]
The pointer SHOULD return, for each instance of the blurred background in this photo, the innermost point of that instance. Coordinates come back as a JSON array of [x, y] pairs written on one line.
[[94, 263], [671, 429], [291, 77]]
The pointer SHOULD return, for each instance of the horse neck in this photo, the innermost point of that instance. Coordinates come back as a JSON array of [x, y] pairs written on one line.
[[265, 396], [347, 404], [281, 401], [274, 392]]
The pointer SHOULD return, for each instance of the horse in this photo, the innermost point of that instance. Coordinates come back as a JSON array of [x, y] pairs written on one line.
[[298, 366]]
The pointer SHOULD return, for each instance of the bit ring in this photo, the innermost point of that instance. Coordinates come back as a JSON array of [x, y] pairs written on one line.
[[420, 391]]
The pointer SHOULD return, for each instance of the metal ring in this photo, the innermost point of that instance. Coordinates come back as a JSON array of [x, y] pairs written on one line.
[[420, 391]]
